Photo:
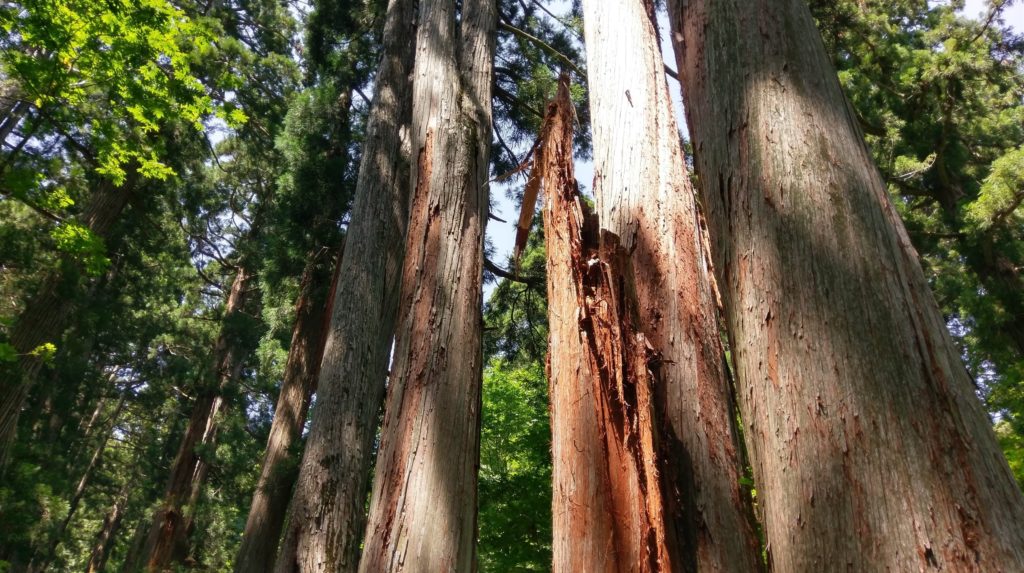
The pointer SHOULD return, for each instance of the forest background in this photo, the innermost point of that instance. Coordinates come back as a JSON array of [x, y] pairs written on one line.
[[135, 202]]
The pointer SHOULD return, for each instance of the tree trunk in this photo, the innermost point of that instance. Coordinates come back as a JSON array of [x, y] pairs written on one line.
[[423, 507], [76, 497], [108, 531], [45, 315], [645, 198], [167, 541], [327, 512], [608, 505], [870, 448], [273, 490]]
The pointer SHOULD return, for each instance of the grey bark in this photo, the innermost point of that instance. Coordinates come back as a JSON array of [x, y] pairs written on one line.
[[327, 513], [870, 448], [423, 506]]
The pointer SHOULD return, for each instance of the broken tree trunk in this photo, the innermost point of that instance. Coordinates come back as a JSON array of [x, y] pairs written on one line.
[[608, 506], [644, 197], [870, 447]]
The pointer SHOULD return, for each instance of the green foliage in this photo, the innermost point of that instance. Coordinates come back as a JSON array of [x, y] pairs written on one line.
[[515, 469], [82, 244], [114, 70]]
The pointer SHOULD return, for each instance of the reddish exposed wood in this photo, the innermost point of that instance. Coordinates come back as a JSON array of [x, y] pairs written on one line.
[[870, 448], [609, 512], [644, 196]]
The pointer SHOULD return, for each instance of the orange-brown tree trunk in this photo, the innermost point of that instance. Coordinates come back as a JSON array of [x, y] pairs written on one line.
[[645, 198], [107, 534], [869, 446], [608, 505], [423, 506], [168, 536]]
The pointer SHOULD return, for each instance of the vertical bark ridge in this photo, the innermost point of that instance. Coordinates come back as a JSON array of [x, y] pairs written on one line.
[[645, 198], [423, 506], [870, 448], [327, 512], [608, 506]]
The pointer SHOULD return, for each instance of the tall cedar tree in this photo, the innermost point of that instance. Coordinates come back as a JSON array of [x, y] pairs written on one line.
[[645, 198], [868, 444], [423, 506], [327, 508]]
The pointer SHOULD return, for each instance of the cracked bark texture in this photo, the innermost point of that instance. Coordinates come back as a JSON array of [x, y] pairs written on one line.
[[645, 198], [608, 506], [167, 542], [327, 512], [258, 548], [869, 446], [423, 506]]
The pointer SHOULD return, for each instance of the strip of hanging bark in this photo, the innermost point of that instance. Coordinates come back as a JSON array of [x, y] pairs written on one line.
[[608, 506]]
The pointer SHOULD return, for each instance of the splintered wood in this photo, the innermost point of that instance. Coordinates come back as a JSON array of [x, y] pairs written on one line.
[[608, 506]]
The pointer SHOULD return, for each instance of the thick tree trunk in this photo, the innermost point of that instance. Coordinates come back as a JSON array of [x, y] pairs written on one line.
[[423, 507], [45, 316], [327, 513], [608, 504], [645, 198], [870, 448], [168, 537], [258, 549], [108, 532]]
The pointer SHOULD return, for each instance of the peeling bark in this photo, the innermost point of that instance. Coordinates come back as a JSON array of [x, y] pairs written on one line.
[[423, 506], [327, 512], [168, 536], [608, 505], [870, 448], [644, 197]]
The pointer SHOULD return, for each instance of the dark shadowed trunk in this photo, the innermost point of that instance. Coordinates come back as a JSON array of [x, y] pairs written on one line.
[[45, 315], [423, 507], [870, 448], [327, 513], [645, 198], [608, 503], [168, 536], [262, 533], [107, 534]]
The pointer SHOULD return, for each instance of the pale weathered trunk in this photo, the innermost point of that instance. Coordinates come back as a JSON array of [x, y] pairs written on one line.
[[168, 536], [870, 449], [608, 503], [327, 513], [45, 315], [107, 534], [645, 198], [423, 507], [262, 532]]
